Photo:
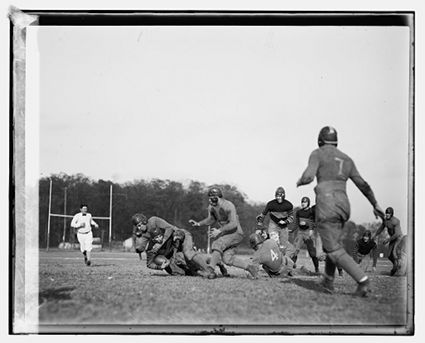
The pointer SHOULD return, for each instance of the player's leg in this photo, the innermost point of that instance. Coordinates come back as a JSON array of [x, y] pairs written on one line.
[[392, 257], [332, 210], [298, 243], [312, 253], [195, 257], [89, 246], [81, 241]]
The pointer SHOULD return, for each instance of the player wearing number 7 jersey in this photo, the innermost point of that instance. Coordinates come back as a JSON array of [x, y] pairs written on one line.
[[333, 168]]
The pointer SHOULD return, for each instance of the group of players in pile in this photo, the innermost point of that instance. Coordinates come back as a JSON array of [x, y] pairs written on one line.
[[319, 227], [171, 249]]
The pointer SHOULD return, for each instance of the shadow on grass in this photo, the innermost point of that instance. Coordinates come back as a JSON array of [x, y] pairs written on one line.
[[56, 294], [312, 285]]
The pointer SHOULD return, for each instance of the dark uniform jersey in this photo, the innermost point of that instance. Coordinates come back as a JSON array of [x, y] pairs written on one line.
[[363, 247], [269, 256], [305, 218], [280, 211], [154, 224]]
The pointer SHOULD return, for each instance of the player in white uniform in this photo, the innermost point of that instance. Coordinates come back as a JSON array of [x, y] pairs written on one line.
[[82, 222]]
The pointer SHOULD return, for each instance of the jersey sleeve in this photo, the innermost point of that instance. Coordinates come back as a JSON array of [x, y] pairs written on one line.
[[311, 170], [266, 209], [362, 185], [74, 222]]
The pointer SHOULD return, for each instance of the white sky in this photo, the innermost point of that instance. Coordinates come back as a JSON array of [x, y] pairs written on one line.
[[241, 105]]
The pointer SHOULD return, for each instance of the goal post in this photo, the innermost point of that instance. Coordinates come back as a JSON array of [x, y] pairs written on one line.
[[60, 215]]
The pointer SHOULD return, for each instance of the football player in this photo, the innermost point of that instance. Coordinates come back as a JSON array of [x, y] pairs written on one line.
[[268, 255], [394, 230], [281, 215], [148, 229], [227, 235], [304, 219], [364, 247], [332, 168]]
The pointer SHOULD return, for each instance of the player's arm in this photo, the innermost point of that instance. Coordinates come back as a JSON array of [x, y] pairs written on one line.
[[92, 222], [150, 257], [379, 231], [75, 223], [207, 221], [364, 187], [311, 170], [262, 215], [166, 227], [144, 241], [232, 217], [397, 230]]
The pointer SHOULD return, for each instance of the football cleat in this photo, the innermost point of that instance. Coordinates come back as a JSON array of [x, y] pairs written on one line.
[[362, 289], [327, 285], [253, 271]]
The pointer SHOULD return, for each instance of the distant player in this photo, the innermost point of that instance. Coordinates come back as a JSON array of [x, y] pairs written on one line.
[[149, 229], [305, 226], [333, 168], [394, 230], [82, 222], [269, 256], [227, 235], [364, 249], [281, 215]]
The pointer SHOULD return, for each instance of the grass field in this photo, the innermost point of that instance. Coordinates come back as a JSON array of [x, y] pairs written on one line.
[[118, 289]]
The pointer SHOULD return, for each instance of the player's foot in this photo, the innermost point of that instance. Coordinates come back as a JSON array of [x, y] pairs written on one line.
[[362, 289], [393, 271], [223, 270], [340, 272], [85, 259], [253, 271], [327, 285], [88, 263]]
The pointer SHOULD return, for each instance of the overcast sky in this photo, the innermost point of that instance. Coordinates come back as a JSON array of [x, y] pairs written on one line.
[[238, 105]]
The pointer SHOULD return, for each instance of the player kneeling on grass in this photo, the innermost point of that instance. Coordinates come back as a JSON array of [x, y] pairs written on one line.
[[149, 229], [269, 256], [363, 249]]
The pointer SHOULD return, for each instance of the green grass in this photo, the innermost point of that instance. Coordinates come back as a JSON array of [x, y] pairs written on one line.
[[118, 289]]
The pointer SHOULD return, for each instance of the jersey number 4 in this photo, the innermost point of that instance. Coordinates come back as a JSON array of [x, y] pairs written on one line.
[[274, 255]]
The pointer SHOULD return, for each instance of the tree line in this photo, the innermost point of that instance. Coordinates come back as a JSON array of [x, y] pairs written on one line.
[[173, 201]]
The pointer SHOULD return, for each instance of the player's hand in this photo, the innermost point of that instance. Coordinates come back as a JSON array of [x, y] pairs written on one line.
[[165, 264], [377, 211], [193, 222], [282, 222], [214, 232], [259, 218]]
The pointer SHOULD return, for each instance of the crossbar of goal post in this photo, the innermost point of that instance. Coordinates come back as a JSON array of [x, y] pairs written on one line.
[[70, 216]]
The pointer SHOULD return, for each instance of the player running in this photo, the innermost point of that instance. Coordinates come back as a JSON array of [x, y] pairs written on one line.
[[228, 234], [148, 230], [364, 247], [333, 168], [82, 222], [281, 215], [305, 226], [394, 230]]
